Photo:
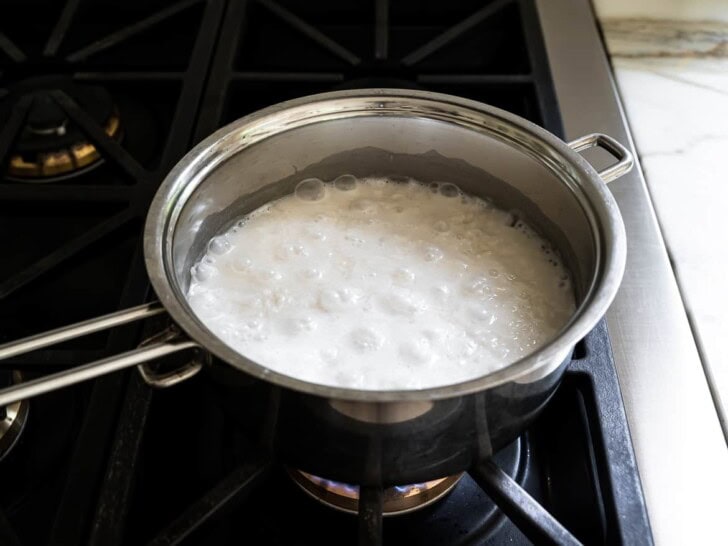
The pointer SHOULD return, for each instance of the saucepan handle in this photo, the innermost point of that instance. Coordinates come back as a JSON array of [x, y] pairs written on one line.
[[625, 161], [168, 342]]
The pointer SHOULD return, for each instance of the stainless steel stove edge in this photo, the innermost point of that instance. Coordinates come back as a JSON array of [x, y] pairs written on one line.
[[679, 445]]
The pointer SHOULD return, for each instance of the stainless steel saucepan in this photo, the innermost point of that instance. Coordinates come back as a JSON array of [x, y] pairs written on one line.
[[363, 436]]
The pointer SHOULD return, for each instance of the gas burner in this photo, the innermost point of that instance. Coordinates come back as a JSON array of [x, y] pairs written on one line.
[[12, 417], [49, 146], [400, 499]]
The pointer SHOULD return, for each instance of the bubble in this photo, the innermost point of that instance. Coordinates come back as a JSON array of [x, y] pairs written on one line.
[[404, 303], [300, 325], [433, 254], [463, 347], [403, 276], [314, 233], [416, 351], [366, 340], [207, 300], [248, 302], [290, 250], [277, 298], [464, 218], [449, 190], [494, 273], [480, 313], [441, 226], [311, 189], [219, 245], [467, 247], [346, 266], [480, 286], [254, 324], [312, 274], [242, 264], [268, 275], [355, 239], [337, 300], [433, 186], [329, 354], [322, 218], [364, 206], [252, 330], [433, 336], [204, 271], [345, 182], [441, 293]]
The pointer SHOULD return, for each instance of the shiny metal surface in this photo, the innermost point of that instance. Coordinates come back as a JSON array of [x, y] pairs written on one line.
[[164, 380], [12, 421], [171, 337], [66, 333], [680, 449], [71, 376], [484, 150], [625, 161], [66, 378]]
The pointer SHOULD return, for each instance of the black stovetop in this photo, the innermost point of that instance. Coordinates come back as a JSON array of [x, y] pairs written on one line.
[[114, 462]]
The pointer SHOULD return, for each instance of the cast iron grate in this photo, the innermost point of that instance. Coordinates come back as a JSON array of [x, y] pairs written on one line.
[[72, 247], [273, 51], [576, 463], [67, 222]]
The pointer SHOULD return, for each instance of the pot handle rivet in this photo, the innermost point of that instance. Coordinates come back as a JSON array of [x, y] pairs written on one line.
[[625, 161]]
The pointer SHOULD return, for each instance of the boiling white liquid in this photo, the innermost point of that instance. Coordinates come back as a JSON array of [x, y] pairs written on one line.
[[376, 285]]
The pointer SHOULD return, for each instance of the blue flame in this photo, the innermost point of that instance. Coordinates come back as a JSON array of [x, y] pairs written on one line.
[[354, 489]]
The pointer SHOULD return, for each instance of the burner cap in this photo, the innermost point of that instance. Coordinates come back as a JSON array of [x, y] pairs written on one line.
[[400, 499], [45, 116], [49, 145], [12, 416]]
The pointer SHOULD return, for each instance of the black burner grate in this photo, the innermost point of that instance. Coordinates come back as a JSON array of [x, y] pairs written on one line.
[[73, 246], [274, 51], [62, 229]]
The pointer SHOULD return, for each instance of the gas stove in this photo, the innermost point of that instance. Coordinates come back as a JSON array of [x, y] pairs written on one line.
[[97, 101]]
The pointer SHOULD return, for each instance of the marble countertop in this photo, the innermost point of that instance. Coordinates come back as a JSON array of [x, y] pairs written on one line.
[[671, 10], [670, 60]]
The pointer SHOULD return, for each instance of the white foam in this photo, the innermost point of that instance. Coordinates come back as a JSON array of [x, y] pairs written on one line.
[[377, 285]]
